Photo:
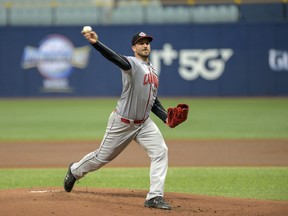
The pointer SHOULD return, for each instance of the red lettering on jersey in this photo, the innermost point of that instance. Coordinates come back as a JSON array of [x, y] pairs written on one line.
[[151, 78]]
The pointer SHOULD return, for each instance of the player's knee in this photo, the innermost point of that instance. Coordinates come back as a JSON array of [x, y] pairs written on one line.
[[160, 153]]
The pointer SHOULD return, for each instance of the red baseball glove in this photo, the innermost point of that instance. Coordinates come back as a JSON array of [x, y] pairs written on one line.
[[177, 115]]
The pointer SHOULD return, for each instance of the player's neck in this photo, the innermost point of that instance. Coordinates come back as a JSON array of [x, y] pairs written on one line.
[[145, 59]]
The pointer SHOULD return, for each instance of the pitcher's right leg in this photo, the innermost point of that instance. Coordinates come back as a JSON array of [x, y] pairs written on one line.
[[117, 137]]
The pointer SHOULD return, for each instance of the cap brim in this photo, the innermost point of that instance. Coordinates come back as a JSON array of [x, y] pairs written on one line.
[[148, 37]]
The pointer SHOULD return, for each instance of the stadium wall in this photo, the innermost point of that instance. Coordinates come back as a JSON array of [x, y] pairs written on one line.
[[192, 60]]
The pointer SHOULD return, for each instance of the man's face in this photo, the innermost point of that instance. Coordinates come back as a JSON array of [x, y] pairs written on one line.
[[142, 48]]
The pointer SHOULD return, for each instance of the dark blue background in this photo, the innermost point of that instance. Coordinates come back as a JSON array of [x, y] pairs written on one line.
[[247, 72]]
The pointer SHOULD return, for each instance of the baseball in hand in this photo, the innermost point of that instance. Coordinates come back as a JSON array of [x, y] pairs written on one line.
[[86, 29]]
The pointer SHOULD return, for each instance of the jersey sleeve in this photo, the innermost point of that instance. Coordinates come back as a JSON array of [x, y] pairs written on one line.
[[112, 56], [134, 64], [159, 110]]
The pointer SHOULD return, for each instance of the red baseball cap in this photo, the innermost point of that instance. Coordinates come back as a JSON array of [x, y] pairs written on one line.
[[139, 36]]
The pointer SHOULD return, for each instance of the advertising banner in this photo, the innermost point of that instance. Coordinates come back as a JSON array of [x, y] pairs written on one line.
[[191, 60]]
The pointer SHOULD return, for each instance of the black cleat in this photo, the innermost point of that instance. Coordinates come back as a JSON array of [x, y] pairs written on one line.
[[157, 202], [69, 180]]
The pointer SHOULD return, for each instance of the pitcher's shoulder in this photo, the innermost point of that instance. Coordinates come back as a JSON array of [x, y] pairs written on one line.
[[134, 62]]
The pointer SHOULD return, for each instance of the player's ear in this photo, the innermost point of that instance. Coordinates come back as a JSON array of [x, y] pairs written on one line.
[[134, 48]]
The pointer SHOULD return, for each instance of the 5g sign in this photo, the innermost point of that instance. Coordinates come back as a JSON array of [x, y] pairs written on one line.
[[208, 64]]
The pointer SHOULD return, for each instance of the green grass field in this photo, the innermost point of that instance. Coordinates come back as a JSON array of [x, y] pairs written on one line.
[[259, 183], [85, 119]]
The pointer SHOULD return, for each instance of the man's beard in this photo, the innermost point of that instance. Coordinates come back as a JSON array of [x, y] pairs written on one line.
[[143, 55]]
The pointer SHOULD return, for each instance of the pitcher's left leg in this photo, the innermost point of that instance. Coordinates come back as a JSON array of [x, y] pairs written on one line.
[[150, 138]]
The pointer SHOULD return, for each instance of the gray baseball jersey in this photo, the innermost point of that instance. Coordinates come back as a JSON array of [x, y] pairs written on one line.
[[140, 85]]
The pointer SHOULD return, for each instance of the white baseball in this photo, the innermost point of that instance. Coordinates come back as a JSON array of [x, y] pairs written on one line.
[[86, 29]]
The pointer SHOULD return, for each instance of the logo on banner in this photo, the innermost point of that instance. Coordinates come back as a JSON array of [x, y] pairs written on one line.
[[55, 59], [193, 63], [278, 60]]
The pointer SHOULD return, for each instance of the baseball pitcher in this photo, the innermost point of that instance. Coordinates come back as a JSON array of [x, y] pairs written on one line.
[[130, 120]]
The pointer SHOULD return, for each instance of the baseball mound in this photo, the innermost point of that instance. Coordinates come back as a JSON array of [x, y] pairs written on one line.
[[117, 202], [55, 201]]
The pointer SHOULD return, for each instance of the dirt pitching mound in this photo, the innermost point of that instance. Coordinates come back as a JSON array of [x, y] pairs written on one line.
[[117, 202]]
